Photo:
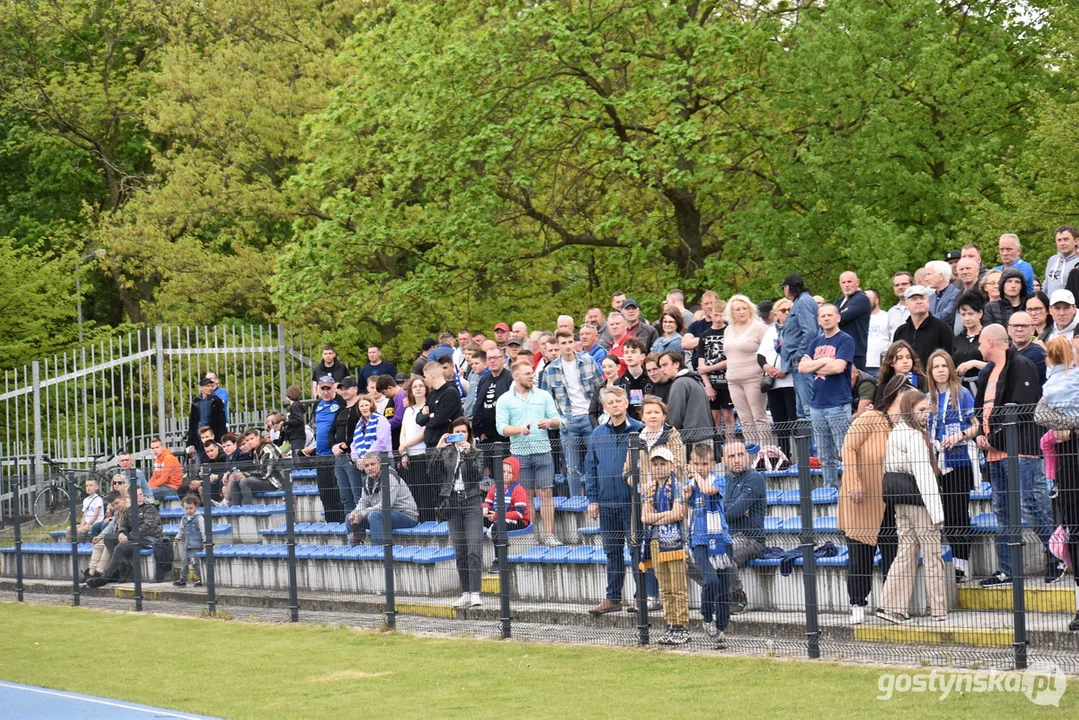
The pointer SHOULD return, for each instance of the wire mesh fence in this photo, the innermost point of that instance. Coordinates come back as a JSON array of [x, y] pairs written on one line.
[[922, 551]]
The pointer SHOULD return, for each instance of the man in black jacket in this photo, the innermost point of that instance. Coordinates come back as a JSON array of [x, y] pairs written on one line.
[[923, 331], [443, 405], [494, 383], [1008, 377], [125, 554], [349, 480], [207, 410]]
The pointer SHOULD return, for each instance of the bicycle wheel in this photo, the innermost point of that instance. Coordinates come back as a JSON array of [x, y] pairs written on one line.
[[51, 505]]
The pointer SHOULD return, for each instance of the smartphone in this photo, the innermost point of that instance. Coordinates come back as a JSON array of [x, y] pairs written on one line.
[[454, 438]]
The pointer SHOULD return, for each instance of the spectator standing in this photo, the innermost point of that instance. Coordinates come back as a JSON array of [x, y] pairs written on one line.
[[461, 353], [687, 400], [712, 365], [444, 348], [326, 409], [502, 334], [671, 328], [462, 496], [345, 473], [800, 328], [919, 513], [902, 361], [573, 380], [524, 414], [943, 293], [854, 309], [221, 393], [1037, 306], [781, 398], [329, 365], [745, 506], [898, 313], [372, 432], [189, 538], [492, 386], [609, 497], [443, 405], [296, 423], [426, 347], [879, 339], [1009, 248], [423, 483], [207, 410], [659, 383], [924, 332], [662, 514], [828, 361], [1021, 333], [394, 394], [376, 365], [168, 475], [616, 326], [590, 342], [709, 541], [742, 344], [609, 367], [1010, 378], [1013, 295], [634, 380], [635, 325], [990, 285], [676, 300], [965, 353], [477, 368], [1062, 309]]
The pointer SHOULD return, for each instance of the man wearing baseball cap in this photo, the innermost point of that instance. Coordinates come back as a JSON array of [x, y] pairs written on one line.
[[1062, 308], [502, 334], [329, 403], [924, 332]]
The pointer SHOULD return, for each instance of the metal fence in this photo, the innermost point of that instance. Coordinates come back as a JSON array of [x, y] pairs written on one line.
[[624, 565], [117, 394]]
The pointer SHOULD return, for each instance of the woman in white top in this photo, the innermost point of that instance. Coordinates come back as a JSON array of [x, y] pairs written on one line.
[[918, 516], [781, 397], [741, 343], [414, 463]]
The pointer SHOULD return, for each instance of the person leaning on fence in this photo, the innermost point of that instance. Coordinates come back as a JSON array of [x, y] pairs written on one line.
[[367, 515], [744, 508], [266, 475], [189, 538], [911, 483], [709, 541], [609, 496], [116, 501], [125, 553], [168, 475], [662, 513], [462, 499], [864, 518]]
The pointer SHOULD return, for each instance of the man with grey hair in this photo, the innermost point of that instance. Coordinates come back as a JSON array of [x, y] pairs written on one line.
[[1060, 266], [564, 322], [590, 342], [1009, 248], [677, 299], [944, 294]]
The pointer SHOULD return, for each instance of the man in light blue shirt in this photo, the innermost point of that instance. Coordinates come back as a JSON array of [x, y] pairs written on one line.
[[1009, 248], [524, 414]]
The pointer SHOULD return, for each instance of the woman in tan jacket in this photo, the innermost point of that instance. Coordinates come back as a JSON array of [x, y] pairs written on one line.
[[864, 518]]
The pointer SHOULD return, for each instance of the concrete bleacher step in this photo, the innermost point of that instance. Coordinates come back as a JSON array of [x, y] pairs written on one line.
[[1037, 596], [246, 520], [923, 633]]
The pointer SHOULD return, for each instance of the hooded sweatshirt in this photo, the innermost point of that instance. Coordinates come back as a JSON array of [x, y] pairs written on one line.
[[687, 407], [999, 311], [514, 497]]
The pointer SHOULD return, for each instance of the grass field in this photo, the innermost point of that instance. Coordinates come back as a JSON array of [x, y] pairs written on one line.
[[234, 669]]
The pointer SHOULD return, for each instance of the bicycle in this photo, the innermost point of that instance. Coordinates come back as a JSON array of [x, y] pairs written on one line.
[[53, 502]]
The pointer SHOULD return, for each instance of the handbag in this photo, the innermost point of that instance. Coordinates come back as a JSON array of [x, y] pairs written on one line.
[[768, 383], [901, 489]]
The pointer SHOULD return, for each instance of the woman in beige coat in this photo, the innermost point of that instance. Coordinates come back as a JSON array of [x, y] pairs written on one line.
[[863, 516]]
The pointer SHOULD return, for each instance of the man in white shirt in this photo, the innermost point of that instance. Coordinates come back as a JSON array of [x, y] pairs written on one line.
[[898, 313], [879, 339]]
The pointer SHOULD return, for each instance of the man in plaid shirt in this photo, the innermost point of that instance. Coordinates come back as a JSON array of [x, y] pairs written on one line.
[[573, 379]]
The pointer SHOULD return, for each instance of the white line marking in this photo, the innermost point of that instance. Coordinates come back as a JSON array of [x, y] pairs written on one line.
[[70, 696]]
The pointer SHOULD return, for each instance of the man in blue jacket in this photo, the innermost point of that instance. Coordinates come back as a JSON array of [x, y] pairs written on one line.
[[744, 510], [800, 328], [608, 493]]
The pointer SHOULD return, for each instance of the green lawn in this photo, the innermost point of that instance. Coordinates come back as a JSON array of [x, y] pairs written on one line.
[[247, 670]]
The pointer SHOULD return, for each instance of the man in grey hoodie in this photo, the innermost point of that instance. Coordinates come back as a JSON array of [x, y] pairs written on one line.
[[368, 513], [687, 402]]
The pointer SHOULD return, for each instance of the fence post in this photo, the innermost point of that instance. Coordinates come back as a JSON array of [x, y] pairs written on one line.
[[18, 539], [809, 560], [387, 534], [501, 541], [1015, 534], [281, 356], [208, 545], [290, 544], [39, 445], [159, 353], [73, 533], [636, 537], [135, 540]]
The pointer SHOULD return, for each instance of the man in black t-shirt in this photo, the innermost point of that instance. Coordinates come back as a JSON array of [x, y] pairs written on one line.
[[491, 387], [331, 366], [634, 380]]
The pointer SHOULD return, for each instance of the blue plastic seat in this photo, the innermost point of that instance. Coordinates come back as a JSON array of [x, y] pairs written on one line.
[[773, 524], [423, 529], [827, 523], [984, 523], [532, 555], [825, 495], [790, 497], [773, 496]]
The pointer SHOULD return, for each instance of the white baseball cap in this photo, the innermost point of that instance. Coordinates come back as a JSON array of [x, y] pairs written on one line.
[[1062, 296]]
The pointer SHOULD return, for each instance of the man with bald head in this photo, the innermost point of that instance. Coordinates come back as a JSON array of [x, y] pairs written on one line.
[[854, 311], [1008, 377], [1021, 331]]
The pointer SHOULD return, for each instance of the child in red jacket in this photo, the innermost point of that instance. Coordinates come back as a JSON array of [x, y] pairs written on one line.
[[518, 514]]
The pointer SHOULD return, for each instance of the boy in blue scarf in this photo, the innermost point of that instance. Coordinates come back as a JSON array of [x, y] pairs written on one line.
[[709, 541], [662, 512]]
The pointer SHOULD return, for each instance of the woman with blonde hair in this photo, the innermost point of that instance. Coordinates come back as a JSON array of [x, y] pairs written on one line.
[[952, 425], [741, 344], [911, 485]]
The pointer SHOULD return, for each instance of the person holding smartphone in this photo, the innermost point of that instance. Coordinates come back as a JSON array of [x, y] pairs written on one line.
[[462, 498]]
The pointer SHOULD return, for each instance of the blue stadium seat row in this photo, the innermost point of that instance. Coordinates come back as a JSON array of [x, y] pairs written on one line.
[[221, 529], [412, 553], [53, 548], [566, 504], [230, 511], [565, 554], [297, 490]]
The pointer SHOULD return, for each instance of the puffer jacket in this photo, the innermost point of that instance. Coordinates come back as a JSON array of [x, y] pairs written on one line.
[[1000, 311]]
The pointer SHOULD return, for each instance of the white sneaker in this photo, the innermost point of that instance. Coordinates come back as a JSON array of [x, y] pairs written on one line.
[[464, 601], [857, 614], [475, 600]]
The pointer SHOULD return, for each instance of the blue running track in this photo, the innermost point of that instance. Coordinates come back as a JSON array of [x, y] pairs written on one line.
[[26, 702]]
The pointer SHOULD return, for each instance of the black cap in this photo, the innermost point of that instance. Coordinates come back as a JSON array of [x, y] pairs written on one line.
[[205, 381], [401, 377], [953, 255], [630, 302], [514, 340], [349, 382], [764, 307], [428, 344], [792, 279]]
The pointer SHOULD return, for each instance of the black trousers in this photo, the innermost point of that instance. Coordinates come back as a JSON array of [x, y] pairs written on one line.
[[955, 496], [860, 570], [327, 489], [784, 406]]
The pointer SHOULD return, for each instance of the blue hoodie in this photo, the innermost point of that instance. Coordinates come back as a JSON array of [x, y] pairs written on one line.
[[604, 462]]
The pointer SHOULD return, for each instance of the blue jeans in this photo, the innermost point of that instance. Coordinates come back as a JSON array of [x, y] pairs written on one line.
[[830, 427], [349, 482], [575, 429], [398, 521], [614, 528], [1033, 500], [715, 590], [803, 392]]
